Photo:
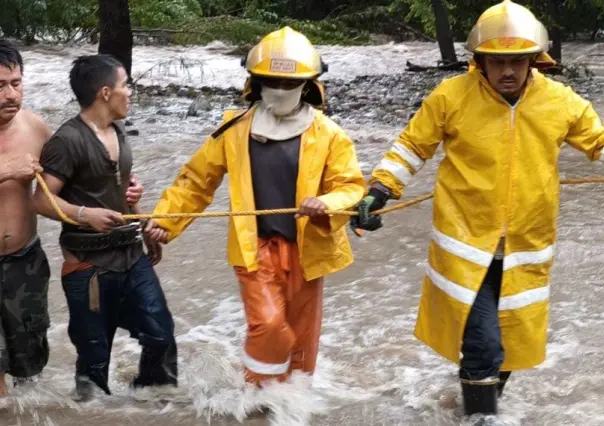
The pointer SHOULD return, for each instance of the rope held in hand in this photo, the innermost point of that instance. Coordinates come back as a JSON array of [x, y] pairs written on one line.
[[390, 209]]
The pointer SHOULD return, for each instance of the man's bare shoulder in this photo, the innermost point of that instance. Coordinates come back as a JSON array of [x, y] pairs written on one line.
[[36, 123]]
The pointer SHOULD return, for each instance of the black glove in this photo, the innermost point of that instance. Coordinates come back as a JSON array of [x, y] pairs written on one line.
[[375, 200]]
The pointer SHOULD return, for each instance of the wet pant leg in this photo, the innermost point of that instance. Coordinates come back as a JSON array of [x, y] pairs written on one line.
[[90, 330], [283, 313], [304, 315], [146, 315], [269, 338], [3, 351], [24, 278], [482, 351]]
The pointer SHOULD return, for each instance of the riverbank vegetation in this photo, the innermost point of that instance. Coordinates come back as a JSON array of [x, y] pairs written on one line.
[[118, 24], [243, 21]]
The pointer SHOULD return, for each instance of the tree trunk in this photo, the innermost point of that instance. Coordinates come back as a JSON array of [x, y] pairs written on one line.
[[555, 32], [116, 32], [443, 32]]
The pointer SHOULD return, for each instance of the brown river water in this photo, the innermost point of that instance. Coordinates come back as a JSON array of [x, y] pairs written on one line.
[[371, 370]]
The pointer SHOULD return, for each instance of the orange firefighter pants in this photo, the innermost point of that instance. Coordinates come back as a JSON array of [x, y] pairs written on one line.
[[284, 314]]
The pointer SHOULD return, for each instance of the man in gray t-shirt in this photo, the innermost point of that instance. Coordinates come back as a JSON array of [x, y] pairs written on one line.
[[107, 278]]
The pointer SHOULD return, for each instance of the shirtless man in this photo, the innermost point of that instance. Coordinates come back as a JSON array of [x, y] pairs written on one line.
[[24, 270]]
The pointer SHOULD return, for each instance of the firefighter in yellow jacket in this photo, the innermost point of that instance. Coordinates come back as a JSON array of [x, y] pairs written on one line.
[[485, 295], [282, 152]]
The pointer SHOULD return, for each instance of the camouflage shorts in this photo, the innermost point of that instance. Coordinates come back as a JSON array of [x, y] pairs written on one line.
[[24, 280]]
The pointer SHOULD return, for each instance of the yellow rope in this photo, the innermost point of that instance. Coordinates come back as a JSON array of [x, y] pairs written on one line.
[[399, 206], [53, 202]]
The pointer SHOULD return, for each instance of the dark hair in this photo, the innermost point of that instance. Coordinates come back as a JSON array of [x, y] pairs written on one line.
[[10, 56], [90, 74]]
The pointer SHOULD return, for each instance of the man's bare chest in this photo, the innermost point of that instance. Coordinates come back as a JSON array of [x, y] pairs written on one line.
[[15, 142]]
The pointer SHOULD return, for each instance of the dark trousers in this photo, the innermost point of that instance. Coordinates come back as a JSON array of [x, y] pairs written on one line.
[[24, 318], [133, 300], [482, 351]]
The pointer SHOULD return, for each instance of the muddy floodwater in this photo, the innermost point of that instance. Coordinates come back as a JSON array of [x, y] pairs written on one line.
[[371, 370]]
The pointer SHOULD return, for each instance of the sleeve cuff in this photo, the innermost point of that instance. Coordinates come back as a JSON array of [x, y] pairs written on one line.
[[55, 173]]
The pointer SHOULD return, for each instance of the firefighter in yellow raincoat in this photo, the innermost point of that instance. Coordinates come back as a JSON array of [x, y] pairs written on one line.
[[485, 294], [282, 152]]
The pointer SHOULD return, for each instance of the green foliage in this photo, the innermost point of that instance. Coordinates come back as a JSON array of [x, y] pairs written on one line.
[[248, 30], [327, 31], [27, 19], [224, 7], [243, 21], [418, 12], [157, 13], [576, 16], [227, 28], [22, 18]]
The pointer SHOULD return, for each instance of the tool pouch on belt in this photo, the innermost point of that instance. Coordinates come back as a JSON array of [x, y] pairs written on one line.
[[119, 236]]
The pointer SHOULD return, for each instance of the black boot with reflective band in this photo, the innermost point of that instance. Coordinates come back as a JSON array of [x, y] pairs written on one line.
[[480, 396]]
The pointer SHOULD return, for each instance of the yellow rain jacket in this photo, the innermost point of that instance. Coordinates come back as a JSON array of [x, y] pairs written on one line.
[[499, 177], [328, 169]]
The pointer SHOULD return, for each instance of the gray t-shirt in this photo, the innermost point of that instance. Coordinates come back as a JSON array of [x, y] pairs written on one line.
[[77, 156], [274, 175]]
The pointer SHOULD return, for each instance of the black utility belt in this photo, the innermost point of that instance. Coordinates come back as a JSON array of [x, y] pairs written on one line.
[[119, 236]]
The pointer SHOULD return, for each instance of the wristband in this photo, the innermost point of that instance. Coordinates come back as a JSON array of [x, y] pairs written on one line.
[[381, 198], [80, 214]]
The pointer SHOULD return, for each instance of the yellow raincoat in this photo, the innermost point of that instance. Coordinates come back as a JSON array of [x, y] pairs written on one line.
[[499, 177], [328, 169]]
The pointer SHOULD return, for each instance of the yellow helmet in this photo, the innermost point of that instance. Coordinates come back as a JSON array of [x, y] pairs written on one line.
[[509, 29], [284, 53]]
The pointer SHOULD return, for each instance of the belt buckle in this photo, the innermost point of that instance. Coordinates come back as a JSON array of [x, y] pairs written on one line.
[[139, 230], [115, 237]]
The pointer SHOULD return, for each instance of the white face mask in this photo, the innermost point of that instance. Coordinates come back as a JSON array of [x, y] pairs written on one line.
[[281, 102]]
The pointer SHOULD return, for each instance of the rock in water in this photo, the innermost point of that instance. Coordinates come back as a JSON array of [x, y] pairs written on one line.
[[199, 104], [192, 111]]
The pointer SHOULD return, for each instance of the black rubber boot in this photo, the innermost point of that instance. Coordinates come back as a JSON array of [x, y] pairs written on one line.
[[84, 389], [158, 366], [480, 396], [503, 378]]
